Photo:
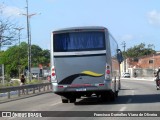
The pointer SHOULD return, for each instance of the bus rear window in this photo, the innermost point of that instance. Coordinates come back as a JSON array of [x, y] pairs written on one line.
[[79, 41]]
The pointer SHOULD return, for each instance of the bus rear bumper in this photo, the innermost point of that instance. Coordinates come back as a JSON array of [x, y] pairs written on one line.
[[80, 90]]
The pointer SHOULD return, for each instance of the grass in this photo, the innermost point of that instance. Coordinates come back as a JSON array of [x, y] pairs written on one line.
[[33, 81], [17, 83]]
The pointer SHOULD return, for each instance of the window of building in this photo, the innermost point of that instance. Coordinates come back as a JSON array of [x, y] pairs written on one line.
[[150, 61]]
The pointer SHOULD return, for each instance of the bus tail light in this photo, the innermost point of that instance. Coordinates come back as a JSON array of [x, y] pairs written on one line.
[[108, 72], [53, 74], [101, 84], [60, 86]]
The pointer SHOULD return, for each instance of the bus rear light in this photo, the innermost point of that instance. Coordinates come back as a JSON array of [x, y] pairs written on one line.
[[60, 86], [108, 71], [101, 84], [53, 74]]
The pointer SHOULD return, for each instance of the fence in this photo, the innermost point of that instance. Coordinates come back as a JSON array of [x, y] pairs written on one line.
[[26, 89]]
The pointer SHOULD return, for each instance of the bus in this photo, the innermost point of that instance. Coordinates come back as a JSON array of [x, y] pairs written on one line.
[[85, 61]]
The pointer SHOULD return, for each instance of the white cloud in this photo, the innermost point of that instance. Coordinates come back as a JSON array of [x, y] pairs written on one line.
[[11, 11], [154, 17], [127, 37]]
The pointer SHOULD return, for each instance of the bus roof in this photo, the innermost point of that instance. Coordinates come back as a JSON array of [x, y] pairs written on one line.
[[81, 28]]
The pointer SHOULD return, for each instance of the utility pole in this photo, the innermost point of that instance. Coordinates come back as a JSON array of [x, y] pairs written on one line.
[[29, 39], [28, 16], [29, 43], [124, 46], [153, 60], [19, 39]]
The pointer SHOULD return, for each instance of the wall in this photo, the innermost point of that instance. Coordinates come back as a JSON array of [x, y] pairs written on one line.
[[142, 66]]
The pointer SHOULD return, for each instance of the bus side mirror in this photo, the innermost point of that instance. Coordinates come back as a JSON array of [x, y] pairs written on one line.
[[119, 56]]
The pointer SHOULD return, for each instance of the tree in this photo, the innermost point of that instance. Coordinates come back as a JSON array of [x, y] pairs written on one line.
[[7, 31], [45, 58], [39, 56], [139, 50], [35, 55], [9, 59], [17, 57]]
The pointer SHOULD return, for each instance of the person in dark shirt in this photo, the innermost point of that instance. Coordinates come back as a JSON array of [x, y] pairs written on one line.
[[135, 74], [23, 80]]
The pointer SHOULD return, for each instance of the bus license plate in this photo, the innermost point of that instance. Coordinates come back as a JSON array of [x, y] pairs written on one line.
[[81, 89]]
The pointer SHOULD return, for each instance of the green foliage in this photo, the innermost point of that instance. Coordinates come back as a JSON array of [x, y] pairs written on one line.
[[33, 82], [17, 57], [8, 84], [40, 56], [45, 57], [139, 50], [17, 83]]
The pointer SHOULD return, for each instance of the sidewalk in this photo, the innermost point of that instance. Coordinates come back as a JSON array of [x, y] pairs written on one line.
[[141, 78]]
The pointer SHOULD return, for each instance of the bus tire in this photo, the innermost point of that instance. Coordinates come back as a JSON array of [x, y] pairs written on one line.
[[104, 98], [64, 101], [72, 100], [79, 96], [89, 95], [116, 94], [112, 96]]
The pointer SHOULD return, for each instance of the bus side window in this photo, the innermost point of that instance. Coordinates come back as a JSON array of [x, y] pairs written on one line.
[[119, 56]]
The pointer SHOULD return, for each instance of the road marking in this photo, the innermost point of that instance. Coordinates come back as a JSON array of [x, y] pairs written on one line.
[[123, 108], [55, 104]]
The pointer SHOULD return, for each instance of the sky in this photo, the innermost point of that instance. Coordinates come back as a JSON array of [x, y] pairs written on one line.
[[132, 21]]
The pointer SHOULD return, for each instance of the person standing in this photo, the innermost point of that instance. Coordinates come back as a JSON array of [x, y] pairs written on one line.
[[23, 81], [135, 74]]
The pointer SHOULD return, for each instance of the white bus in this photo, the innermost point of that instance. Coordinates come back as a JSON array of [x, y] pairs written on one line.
[[84, 62]]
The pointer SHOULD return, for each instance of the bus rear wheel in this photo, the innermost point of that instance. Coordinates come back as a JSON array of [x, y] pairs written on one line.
[[72, 100], [64, 100]]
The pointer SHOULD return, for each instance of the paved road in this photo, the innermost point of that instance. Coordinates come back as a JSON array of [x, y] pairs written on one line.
[[134, 96]]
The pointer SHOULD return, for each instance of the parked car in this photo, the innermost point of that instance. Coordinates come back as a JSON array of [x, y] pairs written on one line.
[[126, 75]]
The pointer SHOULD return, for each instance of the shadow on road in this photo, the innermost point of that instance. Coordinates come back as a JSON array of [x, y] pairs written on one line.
[[123, 99], [91, 101], [126, 89], [144, 98]]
